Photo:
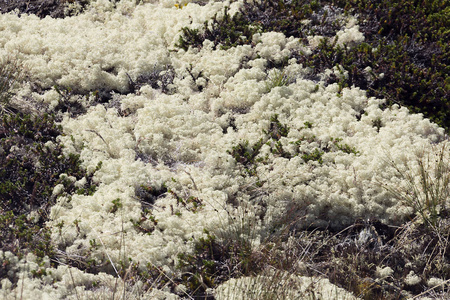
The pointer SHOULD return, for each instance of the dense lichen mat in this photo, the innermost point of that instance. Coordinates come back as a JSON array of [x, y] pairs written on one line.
[[229, 150]]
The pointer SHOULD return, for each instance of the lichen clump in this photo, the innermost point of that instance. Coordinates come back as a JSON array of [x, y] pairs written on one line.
[[198, 148]]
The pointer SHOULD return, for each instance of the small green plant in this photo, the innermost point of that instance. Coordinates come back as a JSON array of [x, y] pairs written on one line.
[[246, 154], [315, 155], [276, 79], [276, 129], [227, 32], [117, 204], [200, 269], [344, 147], [377, 123], [60, 226]]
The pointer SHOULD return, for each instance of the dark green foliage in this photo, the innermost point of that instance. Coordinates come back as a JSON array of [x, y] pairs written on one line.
[[286, 16], [308, 125], [190, 37], [422, 19], [276, 129], [315, 155], [227, 31], [9, 74], [148, 194], [42, 9], [395, 74], [344, 147], [271, 15], [117, 204], [201, 269], [145, 227], [20, 234], [30, 170], [407, 42], [214, 262], [406, 45], [256, 17], [246, 154], [377, 124]]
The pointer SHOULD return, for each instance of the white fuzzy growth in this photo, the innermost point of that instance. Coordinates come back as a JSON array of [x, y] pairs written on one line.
[[384, 272], [66, 283], [285, 285], [184, 140], [435, 282], [350, 35], [57, 190], [96, 49], [412, 278]]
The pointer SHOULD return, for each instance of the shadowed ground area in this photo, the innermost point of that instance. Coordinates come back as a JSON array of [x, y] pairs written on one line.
[[41, 8]]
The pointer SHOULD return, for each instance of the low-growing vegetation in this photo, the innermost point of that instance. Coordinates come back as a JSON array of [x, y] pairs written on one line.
[[404, 60], [33, 165], [257, 252]]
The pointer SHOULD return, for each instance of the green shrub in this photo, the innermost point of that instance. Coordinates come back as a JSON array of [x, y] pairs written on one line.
[[227, 31]]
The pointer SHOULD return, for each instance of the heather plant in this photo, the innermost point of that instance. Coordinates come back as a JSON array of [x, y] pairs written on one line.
[[284, 16], [264, 16], [387, 70], [227, 31]]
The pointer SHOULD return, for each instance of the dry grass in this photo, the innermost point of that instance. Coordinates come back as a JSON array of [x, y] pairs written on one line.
[[427, 190]]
